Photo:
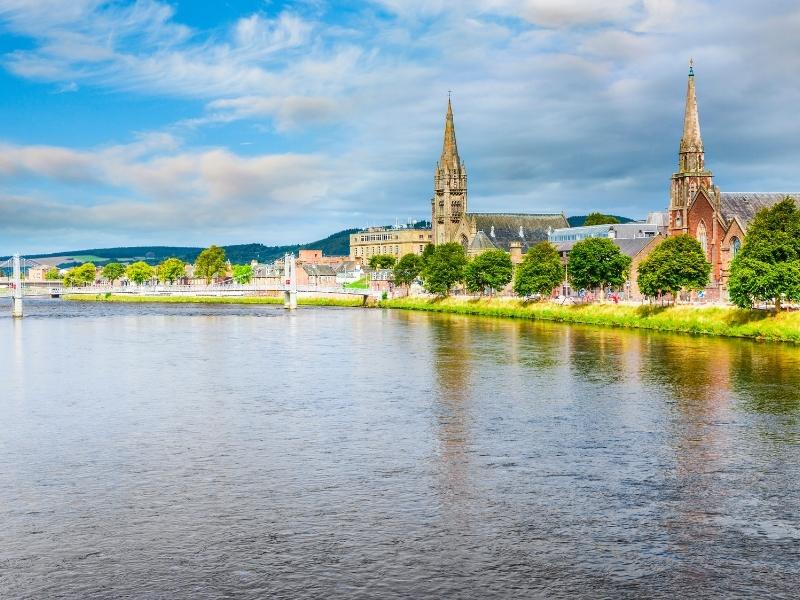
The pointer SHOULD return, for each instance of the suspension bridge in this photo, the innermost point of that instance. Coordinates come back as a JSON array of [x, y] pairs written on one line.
[[17, 265], [288, 286]]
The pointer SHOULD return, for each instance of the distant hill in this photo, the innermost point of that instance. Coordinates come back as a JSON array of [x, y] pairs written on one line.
[[577, 221], [337, 244]]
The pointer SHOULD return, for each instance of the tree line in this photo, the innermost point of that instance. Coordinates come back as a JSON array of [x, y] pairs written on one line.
[[766, 269], [677, 264], [211, 263], [594, 263]]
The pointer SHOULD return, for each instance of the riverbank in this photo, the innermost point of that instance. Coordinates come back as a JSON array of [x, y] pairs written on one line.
[[716, 320], [710, 320], [131, 298]]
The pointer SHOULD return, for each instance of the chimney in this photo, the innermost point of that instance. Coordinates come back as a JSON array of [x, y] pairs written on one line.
[[516, 252]]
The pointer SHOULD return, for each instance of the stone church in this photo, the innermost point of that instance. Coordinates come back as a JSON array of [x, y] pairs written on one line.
[[451, 222], [717, 219]]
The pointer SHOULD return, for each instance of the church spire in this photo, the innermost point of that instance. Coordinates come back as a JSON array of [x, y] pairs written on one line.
[[449, 159], [692, 177], [691, 140]]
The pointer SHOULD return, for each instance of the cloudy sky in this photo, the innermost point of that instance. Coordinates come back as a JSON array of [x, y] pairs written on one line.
[[190, 123]]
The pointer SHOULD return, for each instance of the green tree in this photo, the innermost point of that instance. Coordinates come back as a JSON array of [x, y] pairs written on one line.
[[490, 269], [85, 274], [597, 218], [407, 269], [113, 271], [170, 270], [381, 261], [427, 252], [767, 268], [139, 272], [678, 263], [540, 271], [211, 263], [597, 262], [242, 274], [444, 268], [52, 274]]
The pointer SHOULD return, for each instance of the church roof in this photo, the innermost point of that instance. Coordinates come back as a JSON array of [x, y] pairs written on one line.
[[528, 229], [744, 205]]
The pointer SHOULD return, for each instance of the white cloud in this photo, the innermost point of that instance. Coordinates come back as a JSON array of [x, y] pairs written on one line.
[[155, 186]]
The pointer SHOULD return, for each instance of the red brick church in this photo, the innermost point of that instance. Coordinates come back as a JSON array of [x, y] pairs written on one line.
[[717, 219]]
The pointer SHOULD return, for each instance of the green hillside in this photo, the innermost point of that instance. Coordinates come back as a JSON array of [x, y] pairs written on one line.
[[336, 244], [577, 221]]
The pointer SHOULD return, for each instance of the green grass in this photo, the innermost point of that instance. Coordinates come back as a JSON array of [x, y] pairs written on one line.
[[361, 284], [720, 321], [211, 299]]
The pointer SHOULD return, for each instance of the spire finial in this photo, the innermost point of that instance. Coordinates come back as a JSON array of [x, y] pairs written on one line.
[[691, 67]]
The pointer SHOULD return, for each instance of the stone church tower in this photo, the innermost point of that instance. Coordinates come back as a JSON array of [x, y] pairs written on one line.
[[692, 175], [449, 203]]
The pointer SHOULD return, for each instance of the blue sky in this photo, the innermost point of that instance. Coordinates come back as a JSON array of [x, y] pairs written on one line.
[[191, 123]]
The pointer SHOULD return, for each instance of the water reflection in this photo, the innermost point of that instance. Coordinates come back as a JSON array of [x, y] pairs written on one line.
[[452, 348], [390, 454], [767, 379]]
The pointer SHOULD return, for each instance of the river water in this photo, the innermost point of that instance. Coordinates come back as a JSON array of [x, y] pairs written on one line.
[[175, 451]]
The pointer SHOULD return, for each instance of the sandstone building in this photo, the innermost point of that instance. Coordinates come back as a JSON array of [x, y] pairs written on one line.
[[478, 231], [697, 207], [387, 240]]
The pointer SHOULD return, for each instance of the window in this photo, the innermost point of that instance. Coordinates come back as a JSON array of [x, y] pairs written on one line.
[[702, 237], [736, 244]]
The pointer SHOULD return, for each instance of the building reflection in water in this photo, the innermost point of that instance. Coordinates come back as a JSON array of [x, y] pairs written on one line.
[[452, 368]]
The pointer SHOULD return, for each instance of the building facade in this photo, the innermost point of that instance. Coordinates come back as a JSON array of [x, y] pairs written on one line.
[[623, 231], [385, 240], [697, 207], [477, 232]]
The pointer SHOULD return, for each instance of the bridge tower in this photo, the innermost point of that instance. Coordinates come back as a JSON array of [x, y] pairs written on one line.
[[16, 298], [290, 275]]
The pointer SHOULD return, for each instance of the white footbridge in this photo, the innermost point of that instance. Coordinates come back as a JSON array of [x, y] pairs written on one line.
[[288, 287], [15, 288]]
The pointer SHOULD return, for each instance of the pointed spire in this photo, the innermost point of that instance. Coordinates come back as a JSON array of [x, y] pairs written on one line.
[[449, 159], [691, 140]]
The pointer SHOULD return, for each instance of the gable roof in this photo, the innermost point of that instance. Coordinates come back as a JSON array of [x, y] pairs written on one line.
[[480, 242], [504, 228], [744, 205], [314, 269]]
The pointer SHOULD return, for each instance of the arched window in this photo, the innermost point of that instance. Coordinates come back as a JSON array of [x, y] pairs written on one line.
[[736, 244], [464, 242], [702, 237]]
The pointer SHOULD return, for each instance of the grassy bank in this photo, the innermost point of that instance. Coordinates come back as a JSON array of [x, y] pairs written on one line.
[[721, 321], [211, 299]]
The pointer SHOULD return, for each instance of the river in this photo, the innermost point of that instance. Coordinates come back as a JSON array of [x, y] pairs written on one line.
[[201, 451]]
